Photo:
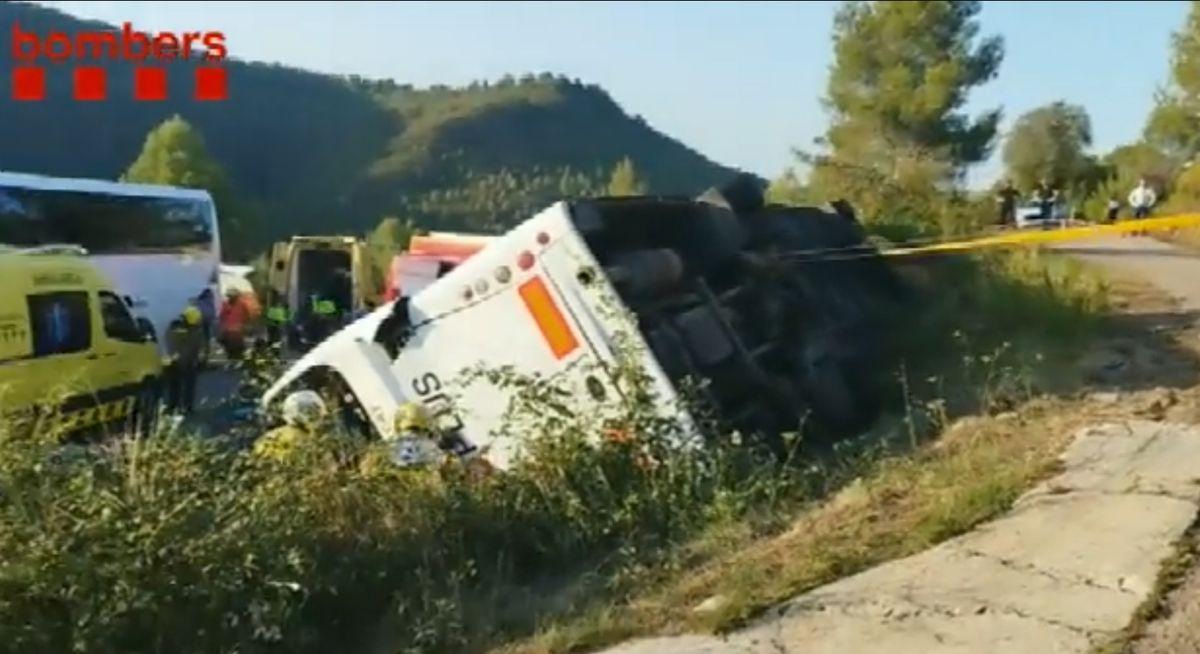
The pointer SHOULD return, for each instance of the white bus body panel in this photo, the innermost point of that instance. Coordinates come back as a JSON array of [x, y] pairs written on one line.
[[160, 285], [491, 330]]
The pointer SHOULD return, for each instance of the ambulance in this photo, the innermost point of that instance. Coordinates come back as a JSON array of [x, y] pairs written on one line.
[[333, 268], [71, 350], [696, 292], [429, 258]]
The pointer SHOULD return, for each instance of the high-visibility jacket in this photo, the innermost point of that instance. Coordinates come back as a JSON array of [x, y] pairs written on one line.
[[280, 443], [324, 307], [233, 318]]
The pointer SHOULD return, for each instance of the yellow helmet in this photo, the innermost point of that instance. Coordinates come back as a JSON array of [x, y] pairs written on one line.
[[411, 416], [191, 316]]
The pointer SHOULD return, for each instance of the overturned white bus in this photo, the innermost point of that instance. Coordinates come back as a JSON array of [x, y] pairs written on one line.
[[706, 285]]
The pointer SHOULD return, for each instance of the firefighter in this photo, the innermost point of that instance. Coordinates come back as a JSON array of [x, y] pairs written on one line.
[[415, 442], [303, 413], [277, 322], [322, 321], [185, 346]]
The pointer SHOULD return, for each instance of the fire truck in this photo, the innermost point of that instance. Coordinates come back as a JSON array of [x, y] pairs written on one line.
[[708, 290]]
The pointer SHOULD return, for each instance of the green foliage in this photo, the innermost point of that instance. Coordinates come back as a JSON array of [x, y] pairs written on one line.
[[389, 238], [174, 154], [901, 74], [1119, 172], [1174, 123], [1185, 191], [180, 544], [391, 234], [624, 180], [493, 202], [360, 148], [1050, 143], [788, 189]]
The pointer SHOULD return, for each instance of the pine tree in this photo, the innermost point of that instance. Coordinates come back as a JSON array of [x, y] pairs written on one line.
[[624, 180], [901, 75]]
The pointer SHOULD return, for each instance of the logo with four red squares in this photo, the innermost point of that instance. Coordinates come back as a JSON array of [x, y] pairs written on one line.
[[151, 54]]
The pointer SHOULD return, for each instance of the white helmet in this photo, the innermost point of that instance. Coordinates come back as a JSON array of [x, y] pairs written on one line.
[[303, 408]]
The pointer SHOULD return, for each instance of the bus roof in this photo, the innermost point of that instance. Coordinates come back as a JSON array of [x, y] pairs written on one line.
[[43, 182]]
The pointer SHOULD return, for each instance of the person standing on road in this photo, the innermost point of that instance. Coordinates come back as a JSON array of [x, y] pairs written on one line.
[[233, 320], [207, 304], [1006, 201], [1114, 207], [184, 347], [1142, 199], [277, 322]]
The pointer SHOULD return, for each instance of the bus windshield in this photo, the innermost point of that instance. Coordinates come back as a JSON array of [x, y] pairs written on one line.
[[104, 223]]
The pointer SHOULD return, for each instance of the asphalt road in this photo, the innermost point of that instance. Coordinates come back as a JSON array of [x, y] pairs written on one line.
[[1176, 271]]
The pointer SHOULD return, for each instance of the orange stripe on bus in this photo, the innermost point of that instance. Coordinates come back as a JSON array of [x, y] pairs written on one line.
[[548, 317]]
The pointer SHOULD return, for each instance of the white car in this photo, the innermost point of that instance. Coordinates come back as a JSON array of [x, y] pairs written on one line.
[[1030, 215]]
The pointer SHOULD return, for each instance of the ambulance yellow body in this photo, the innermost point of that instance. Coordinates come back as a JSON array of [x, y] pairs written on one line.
[[72, 354]]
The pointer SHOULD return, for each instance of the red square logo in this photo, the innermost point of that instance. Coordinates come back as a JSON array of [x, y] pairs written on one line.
[[89, 83], [150, 83], [28, 83], [211, 83]]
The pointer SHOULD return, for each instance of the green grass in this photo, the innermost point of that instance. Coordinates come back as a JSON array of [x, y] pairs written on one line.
[[178, 544]]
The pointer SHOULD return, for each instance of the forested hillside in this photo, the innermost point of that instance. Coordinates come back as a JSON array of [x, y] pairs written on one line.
[[315, 153]]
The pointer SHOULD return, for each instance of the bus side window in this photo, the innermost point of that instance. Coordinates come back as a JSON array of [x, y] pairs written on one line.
[[61, 323]]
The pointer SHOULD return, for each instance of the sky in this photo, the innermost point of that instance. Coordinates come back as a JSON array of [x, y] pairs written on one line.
[[740, 82]]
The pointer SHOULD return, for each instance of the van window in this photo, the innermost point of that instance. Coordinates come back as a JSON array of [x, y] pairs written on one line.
[[118, 323], [61, 323]]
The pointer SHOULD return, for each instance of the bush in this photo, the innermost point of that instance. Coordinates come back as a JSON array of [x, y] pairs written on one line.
[[179, 544]]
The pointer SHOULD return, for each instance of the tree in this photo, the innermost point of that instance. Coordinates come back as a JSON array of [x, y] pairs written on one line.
[[390, 237], [1049, 143], [787, 189], [174, 154], [391, 234], [624, 180], [901, 75], [1174, 123]]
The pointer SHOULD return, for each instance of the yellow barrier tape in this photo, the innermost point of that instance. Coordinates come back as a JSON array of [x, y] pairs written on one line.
[[1053, 235]]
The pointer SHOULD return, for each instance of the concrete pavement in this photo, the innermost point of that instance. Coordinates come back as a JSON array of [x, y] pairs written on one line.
[[1063, 571]]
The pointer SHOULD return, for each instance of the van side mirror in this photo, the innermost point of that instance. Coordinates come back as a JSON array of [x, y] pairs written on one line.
[[147, 330]]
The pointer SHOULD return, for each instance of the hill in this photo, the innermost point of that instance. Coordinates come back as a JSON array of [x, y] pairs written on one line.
[[319, 153]]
